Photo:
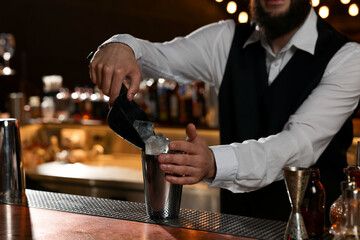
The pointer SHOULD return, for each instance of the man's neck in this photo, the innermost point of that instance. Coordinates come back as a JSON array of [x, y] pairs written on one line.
[[278, 43]]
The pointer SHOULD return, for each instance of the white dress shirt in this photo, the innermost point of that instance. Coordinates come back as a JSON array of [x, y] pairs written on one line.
[[255, 163]]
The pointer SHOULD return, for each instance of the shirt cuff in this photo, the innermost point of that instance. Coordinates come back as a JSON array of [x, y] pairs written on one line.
[[127, 39], [226, 165]]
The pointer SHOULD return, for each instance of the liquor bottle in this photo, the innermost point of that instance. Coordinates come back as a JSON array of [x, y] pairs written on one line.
[[349, 229], [75, 99], [63, 104], [199, 106], [99, 104], [173, 103], [35, 107], [337, 208], [313, 206], [186, 104], [163, 105], [352, 173], [85, 104]]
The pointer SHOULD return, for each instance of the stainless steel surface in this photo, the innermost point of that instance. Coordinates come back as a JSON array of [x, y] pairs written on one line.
[[247, 227], [162, 199], [12, 183], [296, 180]]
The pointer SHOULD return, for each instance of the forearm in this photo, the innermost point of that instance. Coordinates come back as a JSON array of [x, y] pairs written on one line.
[[184, 59]]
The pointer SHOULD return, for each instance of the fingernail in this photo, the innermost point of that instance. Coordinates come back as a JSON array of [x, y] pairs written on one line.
[[130, 96], [163, 167]]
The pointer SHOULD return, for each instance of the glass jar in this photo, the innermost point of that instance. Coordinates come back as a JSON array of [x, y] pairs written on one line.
[[313, 206]]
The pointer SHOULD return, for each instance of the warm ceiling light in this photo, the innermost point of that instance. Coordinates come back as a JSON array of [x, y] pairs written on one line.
[[243, 17], [353, 10], [324, 12], [218, 0], [315, 3], [345, 1], [231, 7]]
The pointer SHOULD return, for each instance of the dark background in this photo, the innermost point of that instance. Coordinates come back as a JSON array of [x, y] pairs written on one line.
[[55, 36]]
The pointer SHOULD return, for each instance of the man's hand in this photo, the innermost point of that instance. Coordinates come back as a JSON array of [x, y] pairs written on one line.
[[110, 65], [190, 168]]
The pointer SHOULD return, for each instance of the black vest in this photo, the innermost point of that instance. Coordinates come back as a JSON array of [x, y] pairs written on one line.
[[251, 109]]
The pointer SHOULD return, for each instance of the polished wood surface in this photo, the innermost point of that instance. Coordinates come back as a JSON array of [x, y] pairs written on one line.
[[18, 222]]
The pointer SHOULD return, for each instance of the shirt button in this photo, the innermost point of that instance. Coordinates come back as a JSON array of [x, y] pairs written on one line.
[[277, 64]]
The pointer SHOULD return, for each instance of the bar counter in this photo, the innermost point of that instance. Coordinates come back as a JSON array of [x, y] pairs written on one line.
[[49, 215]]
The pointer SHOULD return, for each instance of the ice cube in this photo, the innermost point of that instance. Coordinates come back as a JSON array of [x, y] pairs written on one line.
[[156, 144], [144, 128]]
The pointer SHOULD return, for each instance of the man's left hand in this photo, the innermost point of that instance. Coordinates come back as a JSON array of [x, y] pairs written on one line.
[[196, 164]]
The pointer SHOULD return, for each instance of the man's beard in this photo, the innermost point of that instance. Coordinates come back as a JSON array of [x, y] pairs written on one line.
[[276, 26]]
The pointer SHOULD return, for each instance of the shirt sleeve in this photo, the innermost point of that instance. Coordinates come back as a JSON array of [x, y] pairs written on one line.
[[199, 56], [253, 164]]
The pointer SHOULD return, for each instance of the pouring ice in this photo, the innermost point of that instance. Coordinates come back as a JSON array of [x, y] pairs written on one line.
[[144, 128], [156, 144]]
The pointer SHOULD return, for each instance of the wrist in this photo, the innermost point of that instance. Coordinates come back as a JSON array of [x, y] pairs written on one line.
[[212, 169]]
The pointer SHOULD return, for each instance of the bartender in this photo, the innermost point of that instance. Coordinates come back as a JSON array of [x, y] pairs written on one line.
[[287, 85]]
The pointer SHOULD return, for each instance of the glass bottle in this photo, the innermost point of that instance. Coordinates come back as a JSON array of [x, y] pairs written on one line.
[[352, 173], [350, 228], [337, 208], [35, 107], [313, 206]]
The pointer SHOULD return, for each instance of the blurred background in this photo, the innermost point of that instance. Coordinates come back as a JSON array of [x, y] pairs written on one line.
[[45, 84], [54, 37]]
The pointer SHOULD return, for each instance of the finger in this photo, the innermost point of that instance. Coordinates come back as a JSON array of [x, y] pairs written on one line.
[[107, 74], [184, 146], [98, 74], [177, 159], [179, 170], [135, 79], [191, 132], [111, 101], [92, 73], [181, 180], [116, 82]]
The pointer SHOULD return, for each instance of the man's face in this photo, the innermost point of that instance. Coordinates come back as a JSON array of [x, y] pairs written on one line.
[[278, 17]]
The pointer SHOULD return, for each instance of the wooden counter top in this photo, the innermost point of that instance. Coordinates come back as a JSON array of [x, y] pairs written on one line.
[[48, 215], [18, 222]]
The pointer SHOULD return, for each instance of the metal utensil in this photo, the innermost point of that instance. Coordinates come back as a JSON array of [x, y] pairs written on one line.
[[121, 118], [12, 177], [122, 115], [296, 180]]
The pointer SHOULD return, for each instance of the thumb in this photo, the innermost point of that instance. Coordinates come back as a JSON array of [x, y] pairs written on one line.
[[191, 132]]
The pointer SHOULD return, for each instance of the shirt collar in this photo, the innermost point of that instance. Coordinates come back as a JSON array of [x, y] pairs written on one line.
[[305, 38]]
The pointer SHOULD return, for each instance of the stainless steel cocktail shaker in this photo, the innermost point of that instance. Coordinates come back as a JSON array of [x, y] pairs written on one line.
[[162, 198], [12, 182]]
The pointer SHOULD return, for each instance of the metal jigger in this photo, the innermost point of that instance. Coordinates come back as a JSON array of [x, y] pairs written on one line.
[[296, 180]]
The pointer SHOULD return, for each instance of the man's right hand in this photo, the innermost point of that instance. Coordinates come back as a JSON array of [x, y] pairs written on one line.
[[109, 67]]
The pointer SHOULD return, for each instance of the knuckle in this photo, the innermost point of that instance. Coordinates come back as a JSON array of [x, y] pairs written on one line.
[[107, 68], [97, 66], [92, 65], [118, 71], [137, 74]]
